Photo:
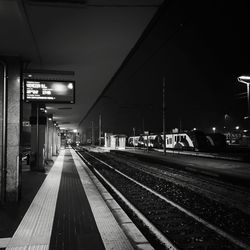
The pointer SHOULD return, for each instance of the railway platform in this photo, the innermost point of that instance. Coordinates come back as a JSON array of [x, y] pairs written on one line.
[[230, 170], [72, 210]]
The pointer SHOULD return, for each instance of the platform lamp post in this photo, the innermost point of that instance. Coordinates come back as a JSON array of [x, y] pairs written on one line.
[[246, 80]]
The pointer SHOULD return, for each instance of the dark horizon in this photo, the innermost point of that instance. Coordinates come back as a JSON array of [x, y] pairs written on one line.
[[200, 49]]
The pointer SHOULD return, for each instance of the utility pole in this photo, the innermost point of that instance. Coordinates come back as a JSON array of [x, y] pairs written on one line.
[[92, 134], [143, 125], [163, 115], [147, 142], [134, 137], [100, 129]]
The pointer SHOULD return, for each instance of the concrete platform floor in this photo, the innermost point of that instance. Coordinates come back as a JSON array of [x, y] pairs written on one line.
[[69, 210]]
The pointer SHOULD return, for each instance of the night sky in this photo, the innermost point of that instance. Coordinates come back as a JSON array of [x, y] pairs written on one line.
[[201, 47]]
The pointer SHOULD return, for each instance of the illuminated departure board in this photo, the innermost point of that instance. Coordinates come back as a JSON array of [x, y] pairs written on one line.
[[49, 91]]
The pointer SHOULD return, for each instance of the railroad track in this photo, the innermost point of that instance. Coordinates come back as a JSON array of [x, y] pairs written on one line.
[[226, 193], [171, 212]]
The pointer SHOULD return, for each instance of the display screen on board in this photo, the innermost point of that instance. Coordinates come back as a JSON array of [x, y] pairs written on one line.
[[51, 91]]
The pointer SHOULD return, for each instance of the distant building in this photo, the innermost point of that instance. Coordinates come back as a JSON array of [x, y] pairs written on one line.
[[115, 141]]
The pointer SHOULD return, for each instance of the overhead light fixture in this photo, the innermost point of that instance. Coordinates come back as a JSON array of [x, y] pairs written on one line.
[[244, 79], [70, 85]]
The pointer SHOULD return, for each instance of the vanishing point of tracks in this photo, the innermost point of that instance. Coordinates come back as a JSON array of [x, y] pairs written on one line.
[[175, 216]]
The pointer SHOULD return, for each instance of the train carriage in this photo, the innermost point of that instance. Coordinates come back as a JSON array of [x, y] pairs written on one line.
[[133, 141], [193, 140]]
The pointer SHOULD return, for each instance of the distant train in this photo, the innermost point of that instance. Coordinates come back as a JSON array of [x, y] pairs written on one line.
[[193, 140]]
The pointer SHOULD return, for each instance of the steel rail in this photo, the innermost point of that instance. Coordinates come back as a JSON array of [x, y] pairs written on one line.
[[162, 238], [195, 217]]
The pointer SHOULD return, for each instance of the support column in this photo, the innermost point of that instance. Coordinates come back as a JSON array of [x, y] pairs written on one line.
[[58, 141], [38, 139], [49, 140], [10, 92], [54, 141]]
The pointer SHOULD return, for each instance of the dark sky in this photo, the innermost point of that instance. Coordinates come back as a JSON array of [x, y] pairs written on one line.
[[201, 47]]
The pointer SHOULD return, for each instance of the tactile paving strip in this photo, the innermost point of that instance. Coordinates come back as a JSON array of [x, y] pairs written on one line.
[[35, 228]]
